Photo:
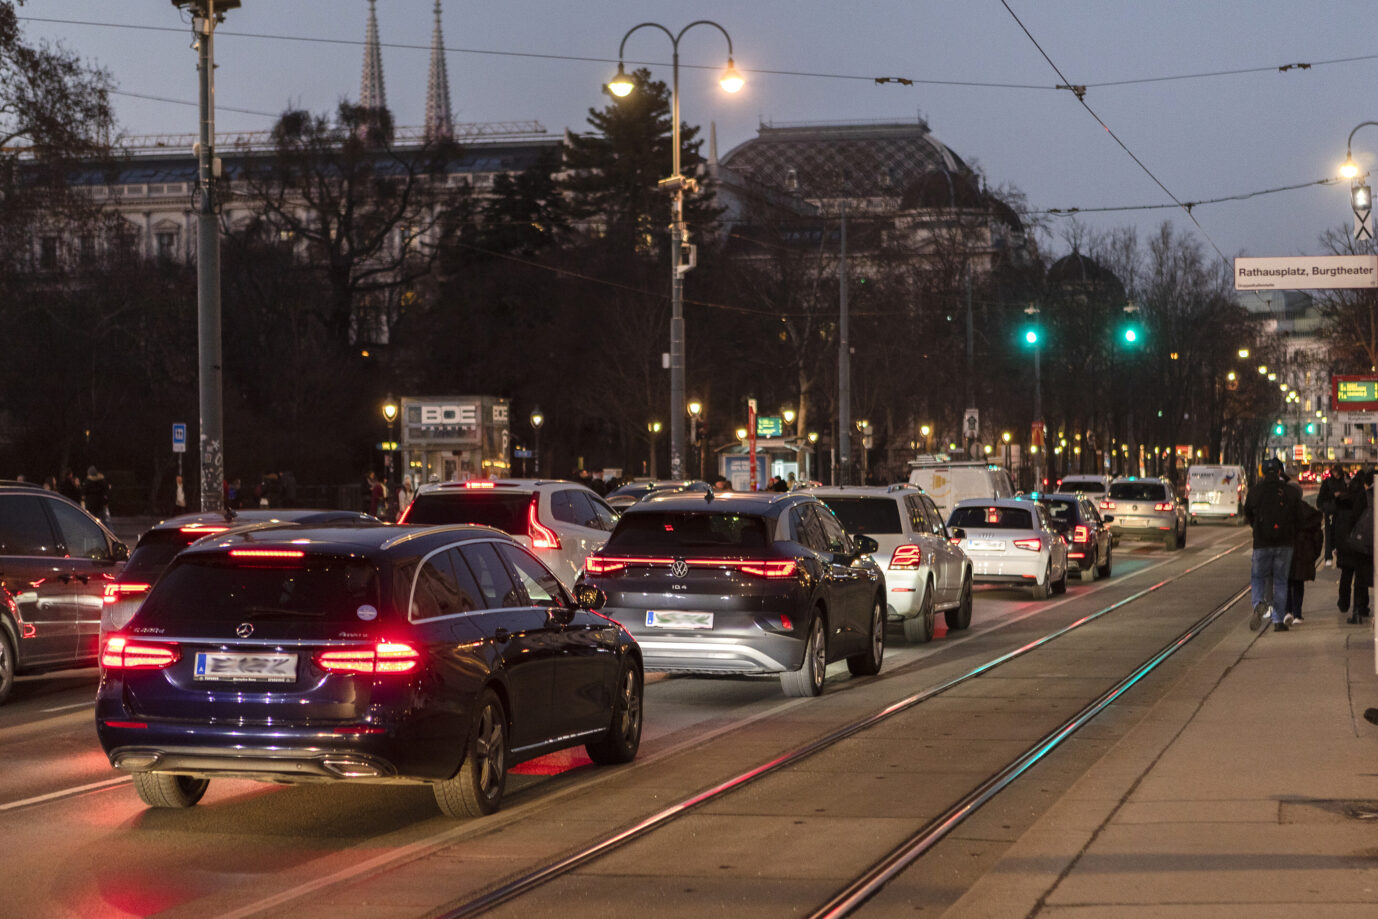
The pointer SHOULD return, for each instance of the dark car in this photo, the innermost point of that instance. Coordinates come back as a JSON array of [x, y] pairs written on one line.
[[158, 546], [440, 655], [764, 583], [1086, 532], [55, 562], [625, 496]]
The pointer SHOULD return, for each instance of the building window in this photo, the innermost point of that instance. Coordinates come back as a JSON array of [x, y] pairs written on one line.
[[166, 242], [47, 253]]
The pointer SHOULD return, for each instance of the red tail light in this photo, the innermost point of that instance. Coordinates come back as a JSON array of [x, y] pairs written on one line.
[[202, 529], [1033, 545], [906, 558], [596, 565], [1163, 506], [781, 568], [541, 537], [383, 657], [121, 653], [114, 593], [479, 483], [1081, 534]]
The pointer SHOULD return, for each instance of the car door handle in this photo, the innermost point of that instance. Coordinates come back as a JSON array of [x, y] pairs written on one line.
[[501, 636]]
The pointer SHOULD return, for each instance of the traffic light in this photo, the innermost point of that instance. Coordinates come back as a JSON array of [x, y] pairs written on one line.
[[1130, 334], [1310, 428], [1279, 429], [1031, 336]]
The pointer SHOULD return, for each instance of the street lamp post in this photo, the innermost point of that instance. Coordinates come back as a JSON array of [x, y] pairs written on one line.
[[653, 428], [537, 419], [620, 85], [390, 416], [812, 455], [1360, 195], [697, 436]]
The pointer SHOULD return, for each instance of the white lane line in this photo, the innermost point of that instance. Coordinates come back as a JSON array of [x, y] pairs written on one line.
[[63, 708], [64, 793]]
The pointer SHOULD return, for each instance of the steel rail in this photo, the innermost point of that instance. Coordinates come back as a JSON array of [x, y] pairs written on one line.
[[540, 876]]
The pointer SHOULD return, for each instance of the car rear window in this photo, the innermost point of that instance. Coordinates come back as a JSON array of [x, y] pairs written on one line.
[[867, 515], [219, 589], [992, 518], [702, 532], [1061, 510], [1138, 491], [503, 510], [1090, 487]]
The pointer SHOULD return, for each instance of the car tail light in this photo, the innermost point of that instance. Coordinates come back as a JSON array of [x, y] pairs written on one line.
[[786, 623], [1163, 506], [479, 483], [595, 565], [1081, 534], [202, 529], [780, 568], [906, 558], [1033, 545], [541, 537], [114, 593], [383, 657], [120, 653]]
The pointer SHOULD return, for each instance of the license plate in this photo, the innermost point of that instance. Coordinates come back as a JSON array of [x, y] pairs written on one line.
[[214, 666], [987, 545], [678, 619], [1200, 505]]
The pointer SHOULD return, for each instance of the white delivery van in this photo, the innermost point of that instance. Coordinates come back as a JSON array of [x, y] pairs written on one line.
[[948, 482], [1216, 492]]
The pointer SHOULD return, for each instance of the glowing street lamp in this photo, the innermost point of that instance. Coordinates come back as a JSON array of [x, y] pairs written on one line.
[[537, 419]]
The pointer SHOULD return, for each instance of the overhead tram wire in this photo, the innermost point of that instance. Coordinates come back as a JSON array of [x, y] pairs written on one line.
[[900, 80]]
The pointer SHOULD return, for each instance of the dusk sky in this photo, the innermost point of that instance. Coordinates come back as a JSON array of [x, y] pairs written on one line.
[[1201, 103]]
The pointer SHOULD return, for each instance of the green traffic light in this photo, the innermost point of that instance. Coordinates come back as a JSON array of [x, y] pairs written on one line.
[[1031, 336], [1311, 428], [1279, 430], [1131, 335]]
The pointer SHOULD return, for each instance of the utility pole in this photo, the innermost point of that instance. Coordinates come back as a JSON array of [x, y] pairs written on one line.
[[844, 368]]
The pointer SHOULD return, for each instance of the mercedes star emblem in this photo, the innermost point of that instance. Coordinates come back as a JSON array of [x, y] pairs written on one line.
[[244, 629], [679, 568]]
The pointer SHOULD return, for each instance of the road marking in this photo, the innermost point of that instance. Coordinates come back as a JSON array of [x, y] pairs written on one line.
[[63, 708], [64, 793]]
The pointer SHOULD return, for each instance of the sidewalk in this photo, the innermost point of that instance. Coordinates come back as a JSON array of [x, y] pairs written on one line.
[[1251, 789]]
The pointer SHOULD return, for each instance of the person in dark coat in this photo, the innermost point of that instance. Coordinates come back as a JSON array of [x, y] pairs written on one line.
[[1356, 561], [1306, 550], [1271, 510], [1332, 487], [95, 492], [70, 486]]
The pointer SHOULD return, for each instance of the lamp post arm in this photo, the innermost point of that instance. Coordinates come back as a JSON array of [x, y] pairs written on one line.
[[1349, 143], [706, 22], [646, 25]]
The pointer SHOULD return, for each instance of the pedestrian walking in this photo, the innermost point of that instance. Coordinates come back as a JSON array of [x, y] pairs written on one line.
[[1306, 551], [70, 486], [95, 493], [377, 495], [1272, 512], [1354, 518], [179, 498], [405, 492], [1332, 487]]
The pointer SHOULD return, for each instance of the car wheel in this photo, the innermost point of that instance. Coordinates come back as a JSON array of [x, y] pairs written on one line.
[[7, 666], [1042, 588], [960, 618], [1182, 540], [1170, 541], [163, 789], [624, 734], [868, 662], [476, 790], [1060, 585], [1104, 570], [919, 629], [807, 681]]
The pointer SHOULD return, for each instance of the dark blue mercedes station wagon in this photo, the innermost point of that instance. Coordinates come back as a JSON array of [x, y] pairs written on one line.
[[441, 655]]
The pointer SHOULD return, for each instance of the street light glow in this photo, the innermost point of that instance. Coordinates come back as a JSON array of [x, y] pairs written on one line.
[[621, 85], [731, 80], [1350, 169]]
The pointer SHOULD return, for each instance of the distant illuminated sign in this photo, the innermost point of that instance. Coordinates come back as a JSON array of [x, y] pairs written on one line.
[[1354, 392], [769, 426]]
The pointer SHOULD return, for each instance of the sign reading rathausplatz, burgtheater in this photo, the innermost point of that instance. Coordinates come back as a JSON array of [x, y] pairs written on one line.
[[1306, 272]]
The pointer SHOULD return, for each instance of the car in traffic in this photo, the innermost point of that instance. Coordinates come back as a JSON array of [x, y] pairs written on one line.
[[1011, 541], [561, 522], [1147, 508], [1094, 485], [625, 496], [947, 481], [55, 562], [160, 544], [1216, 492], [344, 653], [1087, 534], [739, 583], [925, 573]]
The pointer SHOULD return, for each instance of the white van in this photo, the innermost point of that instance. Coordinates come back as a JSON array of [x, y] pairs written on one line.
[[950, 481], [1216, 491]]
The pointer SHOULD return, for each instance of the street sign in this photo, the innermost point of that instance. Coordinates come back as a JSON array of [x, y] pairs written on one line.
[[1356, 417], [1306, 272], [769, 426], [179, 438], [1363, 226], [1299, 453]]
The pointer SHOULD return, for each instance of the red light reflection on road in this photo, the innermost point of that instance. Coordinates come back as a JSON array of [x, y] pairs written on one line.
[[556, 763]]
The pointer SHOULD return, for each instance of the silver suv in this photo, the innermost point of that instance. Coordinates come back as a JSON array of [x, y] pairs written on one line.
[[561, 522], [1148, 508]]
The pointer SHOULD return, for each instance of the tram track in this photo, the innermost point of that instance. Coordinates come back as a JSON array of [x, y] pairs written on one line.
[[866, 883]]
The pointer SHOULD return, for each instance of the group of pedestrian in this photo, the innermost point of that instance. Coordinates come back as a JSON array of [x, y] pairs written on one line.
[[385, 502], [1290, 538]]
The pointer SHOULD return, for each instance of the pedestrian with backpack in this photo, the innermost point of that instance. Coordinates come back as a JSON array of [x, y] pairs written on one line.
[[1273, 513]]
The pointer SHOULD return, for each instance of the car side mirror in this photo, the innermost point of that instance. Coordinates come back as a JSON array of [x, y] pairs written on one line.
[[1107, 518], [119, 552], [588, 597], [865, 545], [957, 533]]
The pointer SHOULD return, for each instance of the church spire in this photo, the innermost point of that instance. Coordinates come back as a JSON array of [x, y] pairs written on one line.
[[439, 122], [371, 93]]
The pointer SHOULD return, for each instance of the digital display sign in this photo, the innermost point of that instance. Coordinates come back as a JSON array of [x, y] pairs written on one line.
[[1354, 392]]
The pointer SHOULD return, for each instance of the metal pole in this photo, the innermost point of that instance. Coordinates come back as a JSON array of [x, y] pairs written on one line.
[[844, 367], [676, 293], [1038, 416], [208, 276]]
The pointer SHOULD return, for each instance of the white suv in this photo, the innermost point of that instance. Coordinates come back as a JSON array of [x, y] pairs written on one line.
[[924, 571], [561, 522]]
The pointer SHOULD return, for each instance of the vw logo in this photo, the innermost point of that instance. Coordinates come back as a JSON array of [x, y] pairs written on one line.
[[679, 568], [244, 629]]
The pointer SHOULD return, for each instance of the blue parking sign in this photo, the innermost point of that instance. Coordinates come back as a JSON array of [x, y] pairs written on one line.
[[179, 438]]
